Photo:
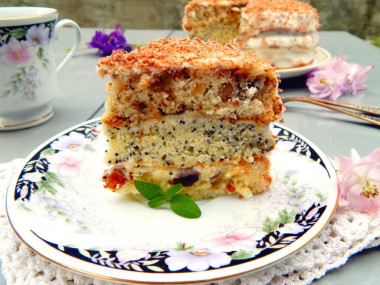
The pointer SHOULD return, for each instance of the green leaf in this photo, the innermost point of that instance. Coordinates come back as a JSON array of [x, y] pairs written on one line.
[[244, 254], [53, 178], [182, 246], [300, 196], [17, 33], [286, 216], [47, 152], [40, 53], [173, 190], [45, 187], [185, 207], [270, 225], [321, 197], [88, 147], [157, 202], [149, 190]]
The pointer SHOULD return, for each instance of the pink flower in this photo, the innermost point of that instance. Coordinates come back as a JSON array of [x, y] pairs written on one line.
[[359, 181], [66, 163], [337, 78], [325, 85], [356, 78], [241, 238], [17, 53]]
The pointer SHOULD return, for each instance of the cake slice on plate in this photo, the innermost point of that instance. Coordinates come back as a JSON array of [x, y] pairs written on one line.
[[216, 20], [191, 112], [283, 31]]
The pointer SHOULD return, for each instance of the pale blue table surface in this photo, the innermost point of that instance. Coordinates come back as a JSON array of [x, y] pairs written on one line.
[[82, 94]]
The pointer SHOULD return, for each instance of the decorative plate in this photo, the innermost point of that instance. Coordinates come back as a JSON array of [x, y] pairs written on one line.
[[321, 57], [58, 207]]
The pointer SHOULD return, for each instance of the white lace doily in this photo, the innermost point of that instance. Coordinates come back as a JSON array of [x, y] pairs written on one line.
[[347, 233]]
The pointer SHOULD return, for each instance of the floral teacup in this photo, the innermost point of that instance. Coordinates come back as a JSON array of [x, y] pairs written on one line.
[[28, 72]]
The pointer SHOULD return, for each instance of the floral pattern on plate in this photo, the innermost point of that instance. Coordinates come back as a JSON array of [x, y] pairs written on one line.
[[58, 189]]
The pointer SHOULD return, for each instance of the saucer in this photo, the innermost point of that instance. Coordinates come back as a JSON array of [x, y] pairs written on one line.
[[27, 119], [321, 57]]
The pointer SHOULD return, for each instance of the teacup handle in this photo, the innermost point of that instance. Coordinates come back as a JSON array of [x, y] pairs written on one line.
[[71, 23]]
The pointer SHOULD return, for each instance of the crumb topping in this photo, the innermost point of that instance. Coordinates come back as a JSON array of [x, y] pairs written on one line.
[[234, 3], [259, 6], [163, 54]]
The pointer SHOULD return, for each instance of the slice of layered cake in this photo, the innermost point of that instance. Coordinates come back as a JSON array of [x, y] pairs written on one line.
[[283, 31], [216, 20], [191, 112]]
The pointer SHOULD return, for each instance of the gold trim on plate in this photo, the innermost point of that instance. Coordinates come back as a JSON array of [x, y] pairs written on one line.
[[158, 282]]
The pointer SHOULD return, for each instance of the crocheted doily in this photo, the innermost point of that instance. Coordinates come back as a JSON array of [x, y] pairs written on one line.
[[347, 233]]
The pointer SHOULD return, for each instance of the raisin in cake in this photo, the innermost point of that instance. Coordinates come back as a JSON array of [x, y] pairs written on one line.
[[216, 20], [191, 112], [283, 31]]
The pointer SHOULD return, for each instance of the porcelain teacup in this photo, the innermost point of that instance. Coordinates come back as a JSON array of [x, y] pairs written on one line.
[[28, 72]]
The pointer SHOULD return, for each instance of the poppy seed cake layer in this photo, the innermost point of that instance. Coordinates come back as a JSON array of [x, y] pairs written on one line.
[[191, 112]]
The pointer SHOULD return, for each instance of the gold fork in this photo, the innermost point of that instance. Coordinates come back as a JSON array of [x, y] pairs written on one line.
[[370, 114]]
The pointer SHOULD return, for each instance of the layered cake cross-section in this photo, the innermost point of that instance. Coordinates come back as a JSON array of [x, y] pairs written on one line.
[[190, 112], [216, 20], [283, 31]]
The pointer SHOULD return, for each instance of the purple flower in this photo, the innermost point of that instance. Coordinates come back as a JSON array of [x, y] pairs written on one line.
[[108, 43], [38, 35], [337, 78], [356, 78]]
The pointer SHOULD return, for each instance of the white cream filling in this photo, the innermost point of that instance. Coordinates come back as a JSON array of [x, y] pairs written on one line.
[[283, 50], [273, 20], [283, 40]]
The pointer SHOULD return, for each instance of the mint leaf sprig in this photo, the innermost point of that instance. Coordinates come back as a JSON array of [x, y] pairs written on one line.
[[180, 204]]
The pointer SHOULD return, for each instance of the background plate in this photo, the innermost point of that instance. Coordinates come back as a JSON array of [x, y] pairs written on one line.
[[58, 207], [322, 56]]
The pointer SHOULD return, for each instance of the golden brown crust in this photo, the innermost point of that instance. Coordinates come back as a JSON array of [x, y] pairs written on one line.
[[259, 6], [235, 3], [203, 13], [164, 54]]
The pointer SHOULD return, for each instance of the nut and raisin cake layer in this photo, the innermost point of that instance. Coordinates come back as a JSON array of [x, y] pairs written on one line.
[[177, 75], [213, 19], [191, 112], [283, 31]]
